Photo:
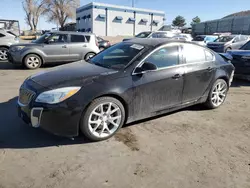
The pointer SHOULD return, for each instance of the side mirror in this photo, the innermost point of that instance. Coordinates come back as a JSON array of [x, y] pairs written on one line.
[[147, 66]]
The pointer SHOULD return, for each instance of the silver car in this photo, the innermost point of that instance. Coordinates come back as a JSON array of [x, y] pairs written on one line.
[[53, 47], [7, 38]]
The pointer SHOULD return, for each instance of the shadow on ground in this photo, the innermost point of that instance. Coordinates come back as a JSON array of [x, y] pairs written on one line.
[[14, 133], [239, 83]]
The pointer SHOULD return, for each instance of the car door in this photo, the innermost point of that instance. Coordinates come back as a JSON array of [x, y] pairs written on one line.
[[241, 60], [56, 48], [200, 70], [160, 89], [78, 46], [237, 42]]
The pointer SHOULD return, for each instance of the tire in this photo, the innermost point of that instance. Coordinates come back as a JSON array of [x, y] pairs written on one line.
[[102, 48], [217, 94], [96, 124], [228, 49], [32, 61], [89, 55], [3, 54]]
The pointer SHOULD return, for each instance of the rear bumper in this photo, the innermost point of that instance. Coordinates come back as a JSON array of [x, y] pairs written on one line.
[[55, 119]]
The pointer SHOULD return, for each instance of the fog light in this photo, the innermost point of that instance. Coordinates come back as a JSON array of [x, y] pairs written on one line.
[[36, 114]]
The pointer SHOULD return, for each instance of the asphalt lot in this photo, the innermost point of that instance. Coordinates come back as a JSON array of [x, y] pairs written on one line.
[[189, 148]]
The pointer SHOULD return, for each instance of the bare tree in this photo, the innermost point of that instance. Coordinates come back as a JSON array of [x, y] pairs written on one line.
[[59, 11], [33, 10]]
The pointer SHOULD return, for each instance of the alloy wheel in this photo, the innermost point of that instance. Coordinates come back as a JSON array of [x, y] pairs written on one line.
[[3, 55], [219, 93], [105, 119], [33, 62]]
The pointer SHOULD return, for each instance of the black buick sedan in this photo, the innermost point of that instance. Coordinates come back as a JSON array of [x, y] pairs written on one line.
[[132, 80]]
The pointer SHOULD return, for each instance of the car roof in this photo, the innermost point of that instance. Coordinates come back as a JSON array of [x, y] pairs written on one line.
[[71, 32], [153, 42]]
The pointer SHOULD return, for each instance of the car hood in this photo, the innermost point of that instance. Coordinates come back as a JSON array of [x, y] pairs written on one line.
[[75, 74], [216, 43], [239, 52]]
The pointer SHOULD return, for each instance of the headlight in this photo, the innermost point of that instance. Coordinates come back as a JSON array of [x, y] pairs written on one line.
[[57, 95], [17, 48]]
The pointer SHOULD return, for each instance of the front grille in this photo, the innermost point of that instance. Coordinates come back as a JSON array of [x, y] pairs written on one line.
[[25, 96]]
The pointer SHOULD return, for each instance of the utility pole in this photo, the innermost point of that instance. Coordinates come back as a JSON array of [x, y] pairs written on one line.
[[133, 3]]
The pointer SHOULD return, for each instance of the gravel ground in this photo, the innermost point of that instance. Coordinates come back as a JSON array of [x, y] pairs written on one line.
[[189, 148]]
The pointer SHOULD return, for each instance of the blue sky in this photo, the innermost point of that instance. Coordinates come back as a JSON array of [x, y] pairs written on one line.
[[12, 9]]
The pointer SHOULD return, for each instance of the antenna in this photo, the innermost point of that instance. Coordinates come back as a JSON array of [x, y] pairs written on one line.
[[133, 3]]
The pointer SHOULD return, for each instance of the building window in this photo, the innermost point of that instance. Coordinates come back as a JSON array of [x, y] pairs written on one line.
[[119, 18], [155, 23], [143, 21], [103, 16], [131, 19]]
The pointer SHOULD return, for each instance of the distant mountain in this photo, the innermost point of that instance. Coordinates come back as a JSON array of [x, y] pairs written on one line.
[[242, 13]]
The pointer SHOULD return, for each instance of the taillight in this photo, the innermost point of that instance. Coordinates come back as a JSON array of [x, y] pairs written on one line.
[[96, 42]]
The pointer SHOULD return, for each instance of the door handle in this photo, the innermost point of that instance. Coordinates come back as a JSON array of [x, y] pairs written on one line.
[[209, 69], [84, 45], [176, 76], [64, 46]]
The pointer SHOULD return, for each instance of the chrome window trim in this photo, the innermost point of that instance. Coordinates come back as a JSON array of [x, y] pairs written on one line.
[[159, 69]]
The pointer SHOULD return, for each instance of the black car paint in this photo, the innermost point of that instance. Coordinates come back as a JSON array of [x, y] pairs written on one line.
[[143, 95], [241, 61]]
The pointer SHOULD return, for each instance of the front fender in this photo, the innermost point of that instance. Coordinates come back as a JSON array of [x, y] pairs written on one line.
[[33, 51]]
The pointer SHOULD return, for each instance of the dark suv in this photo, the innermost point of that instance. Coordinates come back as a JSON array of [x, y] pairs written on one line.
[[54, 47]]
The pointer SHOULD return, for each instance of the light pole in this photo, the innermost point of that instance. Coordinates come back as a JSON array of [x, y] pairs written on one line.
[[133, 3]]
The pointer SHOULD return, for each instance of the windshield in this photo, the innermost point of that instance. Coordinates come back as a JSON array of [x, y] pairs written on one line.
[[117, 56], [143, 35], [199, 38], [246, 46], [210, 39], [224, 39], [43, 38]]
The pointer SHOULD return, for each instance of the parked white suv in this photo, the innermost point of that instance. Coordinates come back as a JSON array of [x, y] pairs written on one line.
[[7, 38]]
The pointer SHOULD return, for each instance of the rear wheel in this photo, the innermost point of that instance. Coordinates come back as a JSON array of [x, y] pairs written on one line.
[[32, 61], [217, 94], [227, 49], [3, 54], [102, 119], [89, 56], [102, 48]]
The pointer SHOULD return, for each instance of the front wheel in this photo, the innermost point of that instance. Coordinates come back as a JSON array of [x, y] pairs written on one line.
[[89, 56], [228, 49], [102, 119], [217, 94], [32, 61], [3, 54]]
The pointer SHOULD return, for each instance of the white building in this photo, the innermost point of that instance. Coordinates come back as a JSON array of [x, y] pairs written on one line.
[[111, 20]]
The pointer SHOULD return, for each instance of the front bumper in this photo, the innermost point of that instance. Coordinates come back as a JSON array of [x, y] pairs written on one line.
[[56, 119], [15, 57]]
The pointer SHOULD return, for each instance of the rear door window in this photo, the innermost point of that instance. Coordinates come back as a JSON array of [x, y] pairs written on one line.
[[193, 54], [78, 38], [2, 35]]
